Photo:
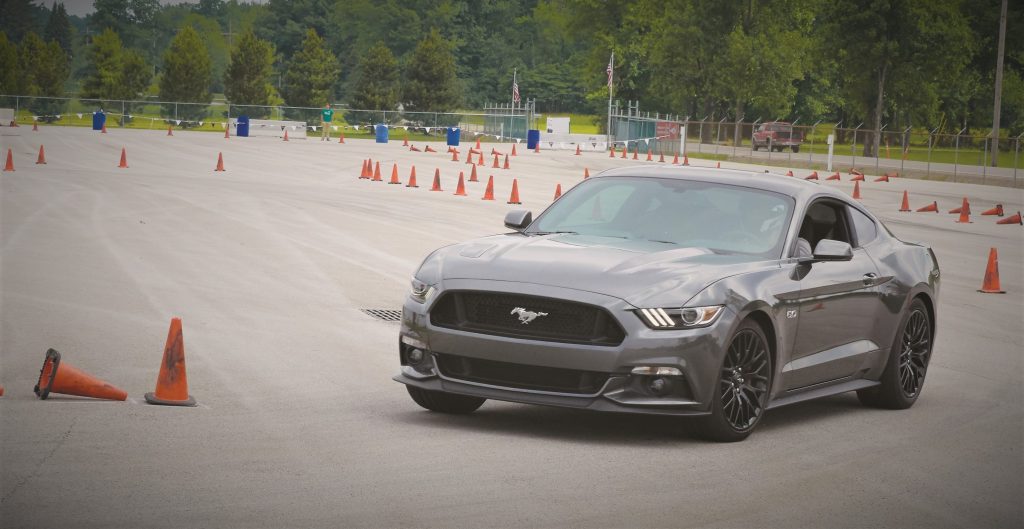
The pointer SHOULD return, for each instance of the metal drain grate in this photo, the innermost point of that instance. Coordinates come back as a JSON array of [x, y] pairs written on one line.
[[384, 314]]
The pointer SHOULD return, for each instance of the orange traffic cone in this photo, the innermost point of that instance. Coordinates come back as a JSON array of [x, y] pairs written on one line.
[[42, 160], [227, 130], [365, 172], [718, 165], [124, 159], [856, 189], [536, 148], [835, 176], [990, 285], [812, 176], [514, 150], [686, 160], [905, 206], [376, 172], [405, 142], [57, 377], [625, 151], [636, 152], [997, 210], [489, 191], [506, 162], [341, 137], [558, 191], [455, 155], [857, 177], [934, 206], [675, 159], [460, 189], [103, 129], [437, 181], [586, 173], [428, 148], [611, 152], [883, 178], [9, 166], [412, 178], [965, 213], [35, 126], [495, 165], [220, 162], [478, 144], [285, 134], [1012, 219], [661, 157], [650, 158], [577, 149], [513, 198], [472, 174], [394, 175], [413, 148], [789, 173], [170, 130], [172, 383]]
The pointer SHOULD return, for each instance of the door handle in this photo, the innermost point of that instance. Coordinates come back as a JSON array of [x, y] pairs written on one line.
[[869, 278]]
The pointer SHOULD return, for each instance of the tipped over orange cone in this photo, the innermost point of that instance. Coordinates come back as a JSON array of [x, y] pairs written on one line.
[[489, 192], [172, 383], [1012, 219], [514, 196], [42, 160], [990, 285], [835, 176], [220, 162], [812, 176], [934, 206], [905, 206], [997, 210], [124, 159], [57, 377]]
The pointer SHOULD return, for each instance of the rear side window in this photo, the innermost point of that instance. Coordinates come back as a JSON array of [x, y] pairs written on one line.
[[866, 229]]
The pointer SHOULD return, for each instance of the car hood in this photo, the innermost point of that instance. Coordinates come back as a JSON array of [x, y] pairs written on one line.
[[643, 273]]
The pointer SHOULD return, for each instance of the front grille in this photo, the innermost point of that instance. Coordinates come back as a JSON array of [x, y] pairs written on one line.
[[520, 376], [492, 313]]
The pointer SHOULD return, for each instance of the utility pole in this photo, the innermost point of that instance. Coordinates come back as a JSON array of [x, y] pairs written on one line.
[[999, 86]]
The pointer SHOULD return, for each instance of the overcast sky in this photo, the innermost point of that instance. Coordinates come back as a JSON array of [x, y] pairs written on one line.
[[84, 7]]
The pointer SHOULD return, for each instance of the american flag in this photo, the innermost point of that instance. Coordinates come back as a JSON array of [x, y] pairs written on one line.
[[515, 92], [609, 72]]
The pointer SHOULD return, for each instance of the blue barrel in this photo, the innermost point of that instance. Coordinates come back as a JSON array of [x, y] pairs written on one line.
[[382, 132], [453, 136], [243, 127], [532, 139], [98, 119]]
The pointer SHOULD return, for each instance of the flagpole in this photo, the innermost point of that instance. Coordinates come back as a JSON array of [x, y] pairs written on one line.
[[611, 75], [514, 71]]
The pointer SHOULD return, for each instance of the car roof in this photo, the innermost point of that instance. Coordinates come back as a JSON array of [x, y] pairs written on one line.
[[798, 188]]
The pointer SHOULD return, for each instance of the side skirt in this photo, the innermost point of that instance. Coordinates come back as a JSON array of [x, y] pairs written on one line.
[[824, 391]]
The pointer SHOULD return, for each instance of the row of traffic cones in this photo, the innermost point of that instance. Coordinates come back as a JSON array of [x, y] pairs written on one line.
[[57, 376], [123, 164], [374, 174], [964, 211]]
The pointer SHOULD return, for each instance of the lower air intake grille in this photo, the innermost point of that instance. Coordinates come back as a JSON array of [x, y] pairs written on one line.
[[520, 376]]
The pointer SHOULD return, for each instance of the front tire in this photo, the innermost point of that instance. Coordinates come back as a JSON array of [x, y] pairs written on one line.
[[796, 148], [740, 395], [903, 378], [442, 402]]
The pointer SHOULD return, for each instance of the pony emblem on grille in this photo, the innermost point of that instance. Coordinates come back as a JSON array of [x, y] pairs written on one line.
[[526, 316]]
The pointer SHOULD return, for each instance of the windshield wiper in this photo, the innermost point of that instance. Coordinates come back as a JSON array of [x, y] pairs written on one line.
[[553, 232], [663, 242]]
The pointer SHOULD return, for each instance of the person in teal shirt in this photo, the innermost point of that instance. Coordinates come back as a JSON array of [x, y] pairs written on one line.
[[326, 115]]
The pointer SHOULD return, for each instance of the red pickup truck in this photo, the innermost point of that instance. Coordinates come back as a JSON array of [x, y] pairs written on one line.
[[777, 135]]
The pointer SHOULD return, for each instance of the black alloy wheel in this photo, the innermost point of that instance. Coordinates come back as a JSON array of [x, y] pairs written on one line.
[[741, 392], [903, 378]]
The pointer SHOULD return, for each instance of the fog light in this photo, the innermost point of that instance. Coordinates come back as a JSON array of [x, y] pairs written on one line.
[[660, 386], [415, 356], [652, 370]]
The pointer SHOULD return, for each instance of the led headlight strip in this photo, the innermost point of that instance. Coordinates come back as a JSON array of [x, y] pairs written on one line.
[[684, 318]]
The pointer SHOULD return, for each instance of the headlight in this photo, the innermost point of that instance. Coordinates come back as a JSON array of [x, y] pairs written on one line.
[[421, 291], [684, 318]]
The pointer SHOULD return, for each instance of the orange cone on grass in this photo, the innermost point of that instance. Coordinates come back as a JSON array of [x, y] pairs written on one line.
[[61, 377], [41, 159], [489, 191], [990, 285], [965, 213], [437, 181], [412, 178], [856, 190], [934, 206], [220, 162], [172, 382], [460, 189], [1012, 219], [124, 159], [997, 210], [513, 197], [394, 175], [905, 206]]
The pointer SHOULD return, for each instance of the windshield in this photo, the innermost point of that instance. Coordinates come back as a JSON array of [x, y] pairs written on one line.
[[721, 218]]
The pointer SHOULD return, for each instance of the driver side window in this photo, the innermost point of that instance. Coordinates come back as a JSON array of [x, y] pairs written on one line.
[[825, 220]]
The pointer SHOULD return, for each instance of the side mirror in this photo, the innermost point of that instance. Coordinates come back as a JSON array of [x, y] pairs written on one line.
[[518, 219], [830, 250]]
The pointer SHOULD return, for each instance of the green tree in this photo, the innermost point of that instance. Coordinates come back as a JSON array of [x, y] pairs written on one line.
[[58, 28], [16, 17], [187, 71], [431, 84], [285, 23], [44, 69], [133, 20], [312, 74], [376, 84], [246, 81], [104, 66], [30, 54], [9, 68]]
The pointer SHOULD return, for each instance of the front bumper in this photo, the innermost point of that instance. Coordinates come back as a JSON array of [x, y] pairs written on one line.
[[697, 353]]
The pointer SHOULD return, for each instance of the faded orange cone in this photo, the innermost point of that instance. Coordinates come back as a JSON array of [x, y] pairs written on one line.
[[906, 202], [57, 377], [489, 191], [625, 151], [42, 157], [675, 159], [172, 382], [686, 160], [170, 130], [220, 162], [285, 134], [661, 156], [611, 152], [506, 162], [124, 159], [650, 158], [990, 285], [514, 196], [577, 149]]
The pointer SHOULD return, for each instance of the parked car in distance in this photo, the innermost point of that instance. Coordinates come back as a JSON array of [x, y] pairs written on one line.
[[777, 135]]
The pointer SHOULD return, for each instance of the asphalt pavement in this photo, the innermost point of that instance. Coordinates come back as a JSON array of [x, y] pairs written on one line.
[[270, 263]]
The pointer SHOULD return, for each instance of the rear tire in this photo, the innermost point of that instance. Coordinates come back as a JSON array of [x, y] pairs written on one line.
[[796, 148], [903, 378], [442, 402], [740, 393]]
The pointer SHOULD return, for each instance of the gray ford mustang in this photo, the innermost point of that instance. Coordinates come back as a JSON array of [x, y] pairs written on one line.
[[675, 291]]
